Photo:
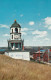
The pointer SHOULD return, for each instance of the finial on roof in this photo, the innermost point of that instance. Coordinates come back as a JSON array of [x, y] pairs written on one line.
[[15, 20], [15, 24]]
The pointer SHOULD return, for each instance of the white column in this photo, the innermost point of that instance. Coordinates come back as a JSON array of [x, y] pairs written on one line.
[[13, 46]]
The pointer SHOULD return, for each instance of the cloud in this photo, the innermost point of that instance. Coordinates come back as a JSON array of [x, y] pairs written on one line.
[[48, 20], [39, 33], [49, 27], [24, 29], [6, 35], [31, 23], [27, 40], [21, 15], [40, 41], [46, 39], [4, 26], [24, 33]]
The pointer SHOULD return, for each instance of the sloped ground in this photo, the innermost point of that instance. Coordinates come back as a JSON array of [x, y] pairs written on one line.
[[11, 69]]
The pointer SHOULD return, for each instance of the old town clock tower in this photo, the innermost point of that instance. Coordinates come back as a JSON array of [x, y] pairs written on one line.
[[15, 43]]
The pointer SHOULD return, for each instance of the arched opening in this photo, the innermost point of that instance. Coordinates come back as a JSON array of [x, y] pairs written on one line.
[[16, 45], [12, 45], [12, 30], [16, 30], [12, 36]]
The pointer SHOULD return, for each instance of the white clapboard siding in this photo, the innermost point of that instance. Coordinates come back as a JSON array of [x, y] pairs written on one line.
[[19, 55]]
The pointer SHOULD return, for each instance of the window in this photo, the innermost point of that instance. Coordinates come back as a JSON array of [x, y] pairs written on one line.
[[12, 30], [16, 45], [20, 45], [12, 36], [12, 45], [16, 30], [20, 35]]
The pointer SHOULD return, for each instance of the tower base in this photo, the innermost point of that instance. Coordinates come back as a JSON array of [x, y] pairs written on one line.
[[24, 55]]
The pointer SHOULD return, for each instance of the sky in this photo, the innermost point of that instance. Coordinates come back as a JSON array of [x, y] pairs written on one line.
[[34, 16]]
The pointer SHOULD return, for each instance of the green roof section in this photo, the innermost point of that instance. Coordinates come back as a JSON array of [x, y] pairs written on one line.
[[15, 24]]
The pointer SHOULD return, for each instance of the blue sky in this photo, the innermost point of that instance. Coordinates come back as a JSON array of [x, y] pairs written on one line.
[[34, 16]]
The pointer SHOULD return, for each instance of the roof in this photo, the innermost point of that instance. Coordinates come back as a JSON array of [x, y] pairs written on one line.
[[15, 41], [15, 24], [38, 52], [17, 50]]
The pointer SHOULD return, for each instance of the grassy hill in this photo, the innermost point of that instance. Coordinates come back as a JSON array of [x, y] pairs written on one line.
[[11, 69]]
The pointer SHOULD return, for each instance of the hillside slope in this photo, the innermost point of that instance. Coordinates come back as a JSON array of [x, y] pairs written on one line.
[[11, 69]]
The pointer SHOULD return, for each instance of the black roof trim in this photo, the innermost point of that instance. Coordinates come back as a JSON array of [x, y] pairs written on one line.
[[15, 24]]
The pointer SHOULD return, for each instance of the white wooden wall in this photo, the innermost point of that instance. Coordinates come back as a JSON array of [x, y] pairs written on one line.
[[19, 55]]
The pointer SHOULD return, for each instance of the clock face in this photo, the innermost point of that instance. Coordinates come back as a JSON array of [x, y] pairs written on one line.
[[16, 36]]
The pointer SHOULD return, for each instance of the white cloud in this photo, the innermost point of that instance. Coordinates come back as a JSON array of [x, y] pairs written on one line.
[[24, 33], [26, 40], [24, 29], [46, 26], [6, 35], [31, 23], [21, 15], [39, 33], [48, 20], [41, 41], [4, 26], [46, 39], [49, 27]]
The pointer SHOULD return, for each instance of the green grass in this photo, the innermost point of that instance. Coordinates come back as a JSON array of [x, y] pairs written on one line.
[[11, 69]]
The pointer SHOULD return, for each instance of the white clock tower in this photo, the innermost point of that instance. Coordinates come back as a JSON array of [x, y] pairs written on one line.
[[15, 43]]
